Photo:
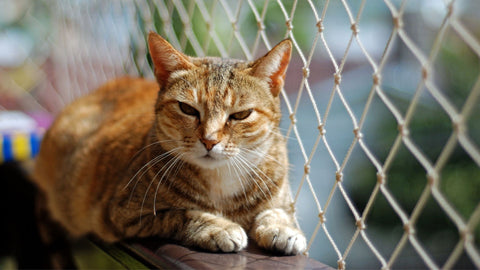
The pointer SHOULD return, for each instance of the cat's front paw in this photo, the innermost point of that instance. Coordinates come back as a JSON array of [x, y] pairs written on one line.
[[284, 239], [221, 237], [232, 238]]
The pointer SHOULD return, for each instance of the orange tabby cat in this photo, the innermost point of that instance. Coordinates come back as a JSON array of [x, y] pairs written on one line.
[[196, 157]]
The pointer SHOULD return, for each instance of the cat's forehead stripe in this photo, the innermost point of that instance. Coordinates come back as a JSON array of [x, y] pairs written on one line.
[[193, 92], [216, 83], [228, 97]]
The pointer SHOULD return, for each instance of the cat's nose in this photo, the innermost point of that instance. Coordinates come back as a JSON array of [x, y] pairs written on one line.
[[209, 144]]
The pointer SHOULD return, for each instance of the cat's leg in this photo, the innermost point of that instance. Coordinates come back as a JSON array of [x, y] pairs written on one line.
[[190, 227], [273, 229], [212, 232]]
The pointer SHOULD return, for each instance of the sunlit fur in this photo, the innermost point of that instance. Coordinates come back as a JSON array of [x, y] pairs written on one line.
[[128, 161]]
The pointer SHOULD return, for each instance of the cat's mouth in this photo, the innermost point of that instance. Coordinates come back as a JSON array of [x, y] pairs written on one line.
[[209, 157], [209, 161]]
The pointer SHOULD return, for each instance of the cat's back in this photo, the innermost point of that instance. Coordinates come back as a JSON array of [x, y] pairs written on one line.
[[114, 107], [118, 98]]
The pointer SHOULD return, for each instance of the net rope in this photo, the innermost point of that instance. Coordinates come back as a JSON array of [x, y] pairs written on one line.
[[75, 69]]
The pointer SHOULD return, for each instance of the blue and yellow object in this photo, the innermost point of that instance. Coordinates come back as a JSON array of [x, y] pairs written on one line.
[[19, 146], [20, 135]]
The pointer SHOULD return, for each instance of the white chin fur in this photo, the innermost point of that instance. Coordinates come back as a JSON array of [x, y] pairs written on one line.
[[208, 162]]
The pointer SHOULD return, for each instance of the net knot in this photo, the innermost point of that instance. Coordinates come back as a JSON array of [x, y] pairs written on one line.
[[458, 125], [432, 177], [187, 25], [322, 217], [320, 26], [465, 234], [339, 176], [409, 229], [358, 134], [360, 225], [377, 78], [341, 264], [209, 25], [234, 26], [397, 22], [306, 169], [293, 120], [354, 28], [306, 72], [403, 130], [289, 25], [260, 26], [425, 72], [381, 178], [321, 129], [338, 78]]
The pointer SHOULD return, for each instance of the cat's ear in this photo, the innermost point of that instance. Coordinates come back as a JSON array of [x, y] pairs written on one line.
[[166, 59], [273, 66]]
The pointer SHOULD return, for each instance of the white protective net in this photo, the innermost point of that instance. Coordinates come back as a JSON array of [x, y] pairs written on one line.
[[395, 182]]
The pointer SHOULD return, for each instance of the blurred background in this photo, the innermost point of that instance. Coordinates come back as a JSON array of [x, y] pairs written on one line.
[[427, 76]]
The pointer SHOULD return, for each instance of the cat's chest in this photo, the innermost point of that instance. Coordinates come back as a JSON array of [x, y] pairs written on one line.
[[224, 184]]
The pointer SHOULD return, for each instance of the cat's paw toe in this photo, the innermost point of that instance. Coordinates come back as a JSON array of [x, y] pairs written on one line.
[[215, 233], [225, 238], [296, 243], [231, 239], [287, 240]]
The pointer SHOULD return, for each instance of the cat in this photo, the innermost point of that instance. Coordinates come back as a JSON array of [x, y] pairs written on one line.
[[196, 156]]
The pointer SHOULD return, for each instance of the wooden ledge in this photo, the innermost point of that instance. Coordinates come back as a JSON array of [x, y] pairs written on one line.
[[161, 254]]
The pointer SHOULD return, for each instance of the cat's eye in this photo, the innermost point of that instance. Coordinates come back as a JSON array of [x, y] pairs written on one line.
[[187, 109], [241, 115]]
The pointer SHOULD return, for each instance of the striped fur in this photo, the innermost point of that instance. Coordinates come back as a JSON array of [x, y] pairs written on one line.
[[196, 156]]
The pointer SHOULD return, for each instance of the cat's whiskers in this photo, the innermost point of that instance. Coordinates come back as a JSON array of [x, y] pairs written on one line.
[[253, 166], [182, 162], [167, 172], [150, 164], [281, 132], [262, 155], [244, 177], [287, 138], [169, 164], [249, 168], [239, 177], [261, 172], [255, 169], [258, 169], [137, 154]]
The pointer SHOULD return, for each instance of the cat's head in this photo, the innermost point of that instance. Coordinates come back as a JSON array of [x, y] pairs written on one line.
[[213, 112]]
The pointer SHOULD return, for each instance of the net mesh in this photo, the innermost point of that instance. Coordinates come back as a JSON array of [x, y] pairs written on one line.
[[395, 83]]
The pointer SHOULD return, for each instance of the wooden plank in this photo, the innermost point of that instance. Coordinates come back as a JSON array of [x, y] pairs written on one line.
[[162, 254]]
